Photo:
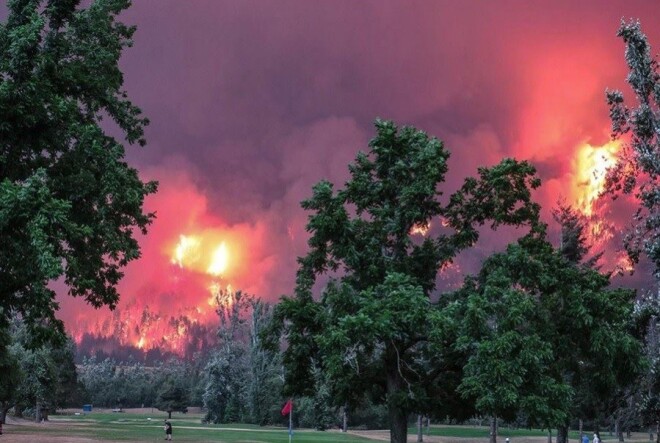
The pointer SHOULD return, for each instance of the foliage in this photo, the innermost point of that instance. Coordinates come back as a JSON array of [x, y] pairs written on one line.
[[99, 381], [573, 244], [242, 376], [172, 396], [69, 204], [638, 169], [131, 384], [10, 370], [324, 415], [368, 415], [216, 393], [43, 376], [542, 347], [265, 383], [370, 328], [224, 396], [646, 395], [68, 390]]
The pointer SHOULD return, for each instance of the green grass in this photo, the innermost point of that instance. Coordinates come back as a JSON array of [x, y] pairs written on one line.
[[186, 428], [148, 427], [483, 432]]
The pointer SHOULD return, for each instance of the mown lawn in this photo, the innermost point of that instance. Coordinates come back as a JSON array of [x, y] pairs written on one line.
[[149, 428], [484, 432]]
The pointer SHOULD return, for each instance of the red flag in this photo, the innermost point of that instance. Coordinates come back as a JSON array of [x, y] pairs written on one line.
[[287, 407]]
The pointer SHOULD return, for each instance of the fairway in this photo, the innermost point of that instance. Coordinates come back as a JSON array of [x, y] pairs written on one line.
[[140, 426], [148, 427]]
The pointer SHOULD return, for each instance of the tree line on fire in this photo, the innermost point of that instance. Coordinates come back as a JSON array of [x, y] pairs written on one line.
[[239, 381]]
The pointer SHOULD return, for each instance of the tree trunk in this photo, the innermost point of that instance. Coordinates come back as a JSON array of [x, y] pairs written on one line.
[[4, 408], [37, 412], [169, 414], [549, 435], [617, 427], [562, 434], [420, 438], [493, 429], [581, 424], [397, 415], [344, 424]]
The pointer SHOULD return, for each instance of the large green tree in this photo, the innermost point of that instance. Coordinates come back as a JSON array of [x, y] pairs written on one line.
[[69, 203], [265, 384], [228, 370], [370, 329], [47, 378], [546, 336], [173, 396], [638, 169], [242, 378]]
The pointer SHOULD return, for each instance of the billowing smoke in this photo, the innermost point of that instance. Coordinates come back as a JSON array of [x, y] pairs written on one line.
[[251, 103]]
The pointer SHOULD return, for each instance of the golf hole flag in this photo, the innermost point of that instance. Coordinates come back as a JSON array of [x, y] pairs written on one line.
[[287, 407]]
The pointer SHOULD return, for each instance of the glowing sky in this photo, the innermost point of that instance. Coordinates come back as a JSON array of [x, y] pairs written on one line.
[[251, 102]]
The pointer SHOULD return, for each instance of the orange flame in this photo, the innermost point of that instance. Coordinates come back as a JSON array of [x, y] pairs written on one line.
[[187, 250], [624, 265], [195, 253], [219, 261], [420, 229], [591, 166]]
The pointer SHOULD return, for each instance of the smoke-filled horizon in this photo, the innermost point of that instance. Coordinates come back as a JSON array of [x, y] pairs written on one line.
[[251, 103]]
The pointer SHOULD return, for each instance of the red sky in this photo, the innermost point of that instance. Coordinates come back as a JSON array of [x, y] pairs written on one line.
[[252, 102]]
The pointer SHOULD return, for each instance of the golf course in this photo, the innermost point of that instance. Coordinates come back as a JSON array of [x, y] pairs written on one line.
[[146, 425]]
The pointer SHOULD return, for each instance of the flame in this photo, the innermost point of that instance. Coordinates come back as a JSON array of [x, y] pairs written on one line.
[[196, 253], [215, 291], [591, 166], [186, 250], [420, 229], [219, 261], [166, 302], [203, 257], [624, 265]]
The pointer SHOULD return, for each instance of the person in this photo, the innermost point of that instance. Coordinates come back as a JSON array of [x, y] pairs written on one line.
[[596, 438], [585, 438], [168, 430]]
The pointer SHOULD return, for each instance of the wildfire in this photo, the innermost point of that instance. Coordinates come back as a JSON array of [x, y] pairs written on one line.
[[420, 229], [196, 253], [591, 166], [204, 259], [624, 265], [186, 250], [201, 255], [219, 261]]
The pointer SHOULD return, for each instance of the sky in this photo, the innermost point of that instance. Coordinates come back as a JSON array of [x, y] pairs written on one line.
[[252, 102]]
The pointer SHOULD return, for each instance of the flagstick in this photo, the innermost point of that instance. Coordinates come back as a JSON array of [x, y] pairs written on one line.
[[290, 421]]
